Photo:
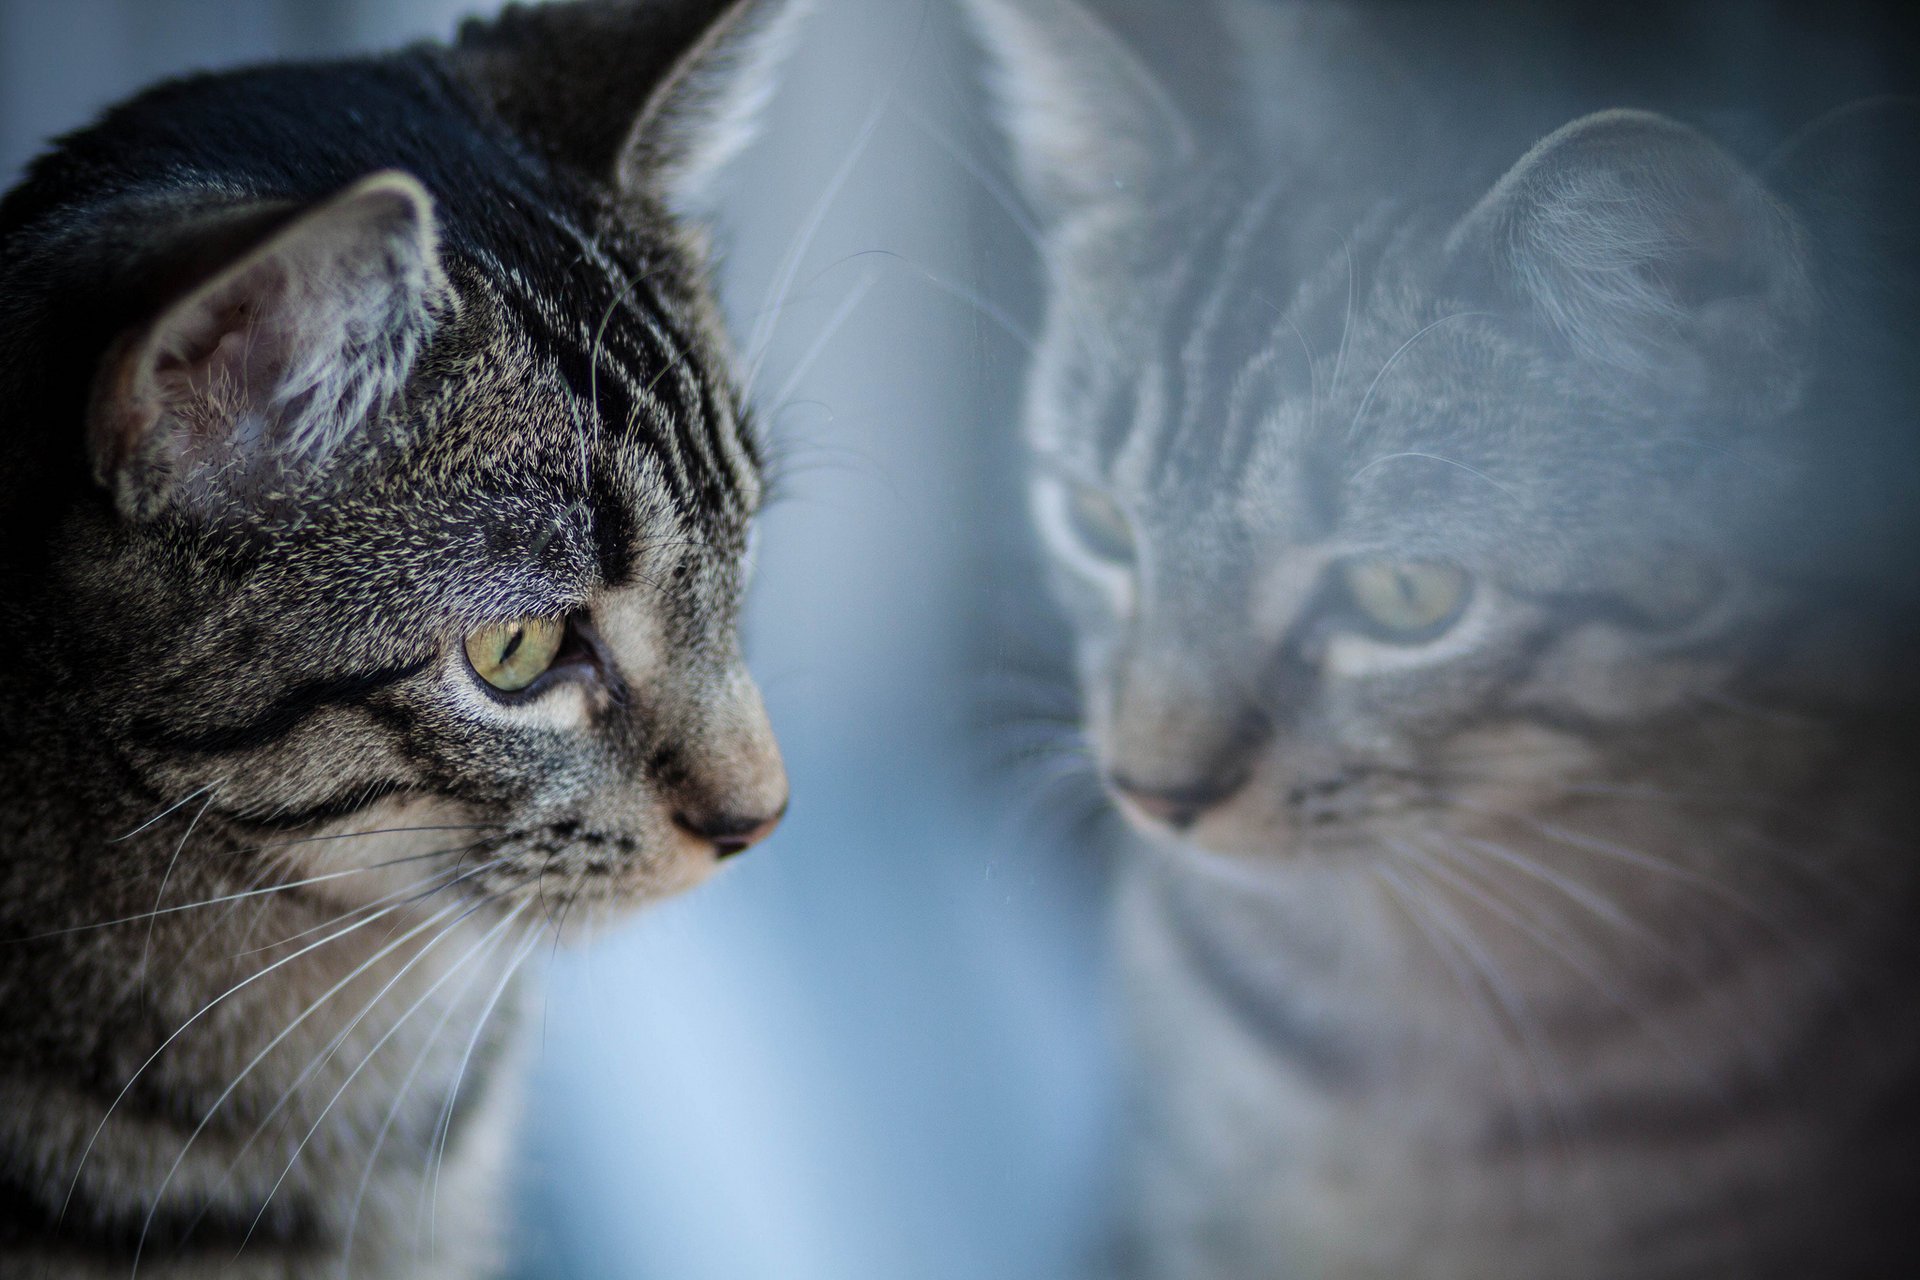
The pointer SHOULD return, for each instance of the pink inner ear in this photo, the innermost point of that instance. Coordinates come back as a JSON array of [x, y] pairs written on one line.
[[220, 370], [266, 369]]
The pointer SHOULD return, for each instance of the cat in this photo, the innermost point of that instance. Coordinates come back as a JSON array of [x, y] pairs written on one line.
[[376, 501], [1481, 504]]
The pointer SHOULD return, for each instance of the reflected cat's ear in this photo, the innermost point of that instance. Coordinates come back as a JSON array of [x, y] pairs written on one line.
[[1089, 123], [1644, 245], [298, 326], [651, 96]]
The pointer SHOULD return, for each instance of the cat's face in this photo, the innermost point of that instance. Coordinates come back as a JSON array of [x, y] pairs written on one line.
[[1410, 524], [424, 505]]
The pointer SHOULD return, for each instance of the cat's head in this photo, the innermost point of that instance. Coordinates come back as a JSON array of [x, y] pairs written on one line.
[[380, 462], [1380, 513]]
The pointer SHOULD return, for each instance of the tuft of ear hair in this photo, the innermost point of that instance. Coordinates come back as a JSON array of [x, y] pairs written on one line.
[[253, 380], [648, 96], [1089, 123], [1647, 247]]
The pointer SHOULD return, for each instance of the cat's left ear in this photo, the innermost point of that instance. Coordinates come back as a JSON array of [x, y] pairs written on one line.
[[651, 96], [1091, 126], [1644, 245], [298, 327]]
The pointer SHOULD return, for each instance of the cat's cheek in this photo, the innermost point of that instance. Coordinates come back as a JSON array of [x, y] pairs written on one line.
[[388, 848]]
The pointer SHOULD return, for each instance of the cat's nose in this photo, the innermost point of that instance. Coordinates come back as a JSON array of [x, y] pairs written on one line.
[[729, 834], [1178, 806]]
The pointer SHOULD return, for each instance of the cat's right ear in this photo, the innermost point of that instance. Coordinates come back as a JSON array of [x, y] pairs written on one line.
[[297, 327], [650, 96], [1089, 123], [1646, 246]]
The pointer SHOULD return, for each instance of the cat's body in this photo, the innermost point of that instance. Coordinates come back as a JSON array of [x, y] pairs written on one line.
[[1480, 511], [375, 502]]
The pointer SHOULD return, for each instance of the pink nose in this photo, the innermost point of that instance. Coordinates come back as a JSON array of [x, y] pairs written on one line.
[[729, 834]]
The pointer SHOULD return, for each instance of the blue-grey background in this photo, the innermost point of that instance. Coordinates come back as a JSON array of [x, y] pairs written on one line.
[[874, 1048]]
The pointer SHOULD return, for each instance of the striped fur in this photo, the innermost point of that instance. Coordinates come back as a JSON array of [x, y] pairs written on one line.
[[1575, 938], [270, 851]]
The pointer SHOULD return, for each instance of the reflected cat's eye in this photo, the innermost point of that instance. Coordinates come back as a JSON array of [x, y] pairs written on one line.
[[1407, 600], [1100, 524], [510, 656]]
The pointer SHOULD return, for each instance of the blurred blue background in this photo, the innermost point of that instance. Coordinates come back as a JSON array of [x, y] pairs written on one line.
[[876, 1047]]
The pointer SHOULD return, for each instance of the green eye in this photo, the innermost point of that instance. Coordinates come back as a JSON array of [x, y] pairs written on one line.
[[1407, 601], [512, 655], [1100, 524]]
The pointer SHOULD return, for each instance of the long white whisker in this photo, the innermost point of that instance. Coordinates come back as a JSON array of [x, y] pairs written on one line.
[[1367, 400], [760, 340], [146, 951], [391, 1031], [406, 1085], [245, 894], [828, 332], [175, 807], [160, 1192], [431, 1191], [181, 1030], [412, 886]]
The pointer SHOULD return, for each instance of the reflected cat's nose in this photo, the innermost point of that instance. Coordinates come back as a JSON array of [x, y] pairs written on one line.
[[729, 834], [1177, 806]]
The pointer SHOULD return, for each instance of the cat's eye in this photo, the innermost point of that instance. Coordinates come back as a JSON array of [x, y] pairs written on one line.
[[1407, 601], [1100, 524], [510, 656]]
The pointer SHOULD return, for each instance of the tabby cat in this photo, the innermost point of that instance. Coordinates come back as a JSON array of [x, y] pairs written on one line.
[[1484, 516], [375, 505]]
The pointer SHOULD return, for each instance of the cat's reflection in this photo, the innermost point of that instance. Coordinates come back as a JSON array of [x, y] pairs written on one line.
[[1480, 512]]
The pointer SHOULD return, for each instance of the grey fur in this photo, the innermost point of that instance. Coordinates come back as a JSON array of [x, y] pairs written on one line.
[[1577, 938], [284, 426]]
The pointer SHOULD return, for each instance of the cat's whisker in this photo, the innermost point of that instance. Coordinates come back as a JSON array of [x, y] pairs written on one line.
[[476, 969], [998, 191], [828, 332], [1586, 965], [247, 894], [146, 950], [432, 989], [1414, 905], [1705, 884], [986, 307], [760, 337], [1588, 898], [590, 434], [387, 949], [452, 874], [1366, 401], [1346, 324], [319, 1060], [1434, 457], [195, 1017], [1550, 1074], [437, 1145], [173, 808]]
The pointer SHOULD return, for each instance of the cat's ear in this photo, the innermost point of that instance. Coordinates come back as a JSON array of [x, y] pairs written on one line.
[[1089, 123], [254, 377], [1646, 246], [648, 95]]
